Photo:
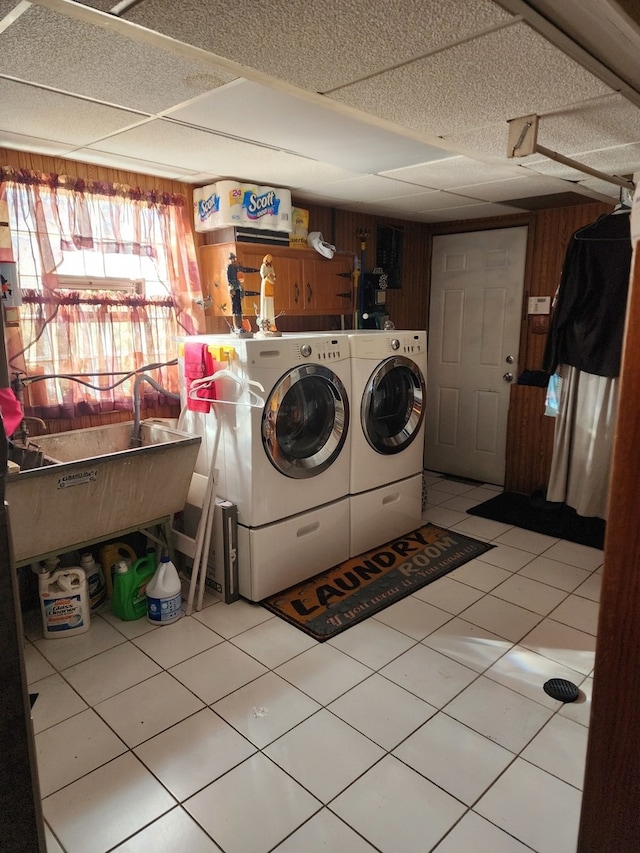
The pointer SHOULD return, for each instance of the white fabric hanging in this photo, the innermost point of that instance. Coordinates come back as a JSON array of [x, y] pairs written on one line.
[[583, 442]]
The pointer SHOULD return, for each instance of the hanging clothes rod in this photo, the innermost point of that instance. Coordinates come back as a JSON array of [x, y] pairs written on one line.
[[523, 140]]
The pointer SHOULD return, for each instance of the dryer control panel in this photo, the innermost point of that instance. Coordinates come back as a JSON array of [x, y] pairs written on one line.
[[324, 350]]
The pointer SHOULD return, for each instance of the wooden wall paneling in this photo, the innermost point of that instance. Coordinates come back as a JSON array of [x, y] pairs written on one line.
[[610, 819], [529, 440]]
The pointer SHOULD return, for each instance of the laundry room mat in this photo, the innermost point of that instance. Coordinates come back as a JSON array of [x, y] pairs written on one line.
[[331, 602], [552, 519]]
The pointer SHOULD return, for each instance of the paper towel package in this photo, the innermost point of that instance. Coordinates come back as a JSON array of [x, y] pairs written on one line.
[[229, 203]]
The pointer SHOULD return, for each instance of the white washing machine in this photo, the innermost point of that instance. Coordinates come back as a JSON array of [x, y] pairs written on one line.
[[285, 463], [388, 393]]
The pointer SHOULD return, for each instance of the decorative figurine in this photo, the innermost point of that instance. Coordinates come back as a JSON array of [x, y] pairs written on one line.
[[266, 320], [235, 279]]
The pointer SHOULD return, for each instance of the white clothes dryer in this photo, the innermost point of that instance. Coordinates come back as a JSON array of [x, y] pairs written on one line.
[[388, 388], [285, 464]]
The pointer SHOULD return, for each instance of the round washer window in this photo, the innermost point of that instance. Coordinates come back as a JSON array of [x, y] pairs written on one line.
[[393, 405], [305, 421]]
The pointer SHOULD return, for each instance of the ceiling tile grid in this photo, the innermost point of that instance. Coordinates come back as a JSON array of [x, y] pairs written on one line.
[[142, 166], [619, 160], [443, 174], [414, 125], [44, 47], [62, 118], [508, 73], [602, 122], [164, 141], [251, 110], [319, 45]]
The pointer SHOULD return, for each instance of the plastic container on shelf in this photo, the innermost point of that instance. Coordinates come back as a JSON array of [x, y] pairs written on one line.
[[112, 553], [130, 587], [64, 602], [96, 584], [164, 594]]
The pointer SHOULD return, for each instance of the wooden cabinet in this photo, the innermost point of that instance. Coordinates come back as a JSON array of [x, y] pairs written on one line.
[[306, 283]]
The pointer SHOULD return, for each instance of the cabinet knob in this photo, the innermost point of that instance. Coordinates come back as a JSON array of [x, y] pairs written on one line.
[[296, 292], [309, 292]]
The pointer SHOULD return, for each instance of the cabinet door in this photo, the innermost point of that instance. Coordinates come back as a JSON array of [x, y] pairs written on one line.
[[289, 290], [213, 274], [328, 285]]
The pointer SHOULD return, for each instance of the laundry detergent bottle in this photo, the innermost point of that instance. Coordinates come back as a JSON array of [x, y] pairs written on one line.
[[164, 594], [112, 553], [130, 587]]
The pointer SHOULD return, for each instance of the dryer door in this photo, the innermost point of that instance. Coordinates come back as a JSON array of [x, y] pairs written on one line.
[[305, 421], [392, 409]]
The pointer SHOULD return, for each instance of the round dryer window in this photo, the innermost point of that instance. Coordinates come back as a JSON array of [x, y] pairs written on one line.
[[393, 405], [305, 421]]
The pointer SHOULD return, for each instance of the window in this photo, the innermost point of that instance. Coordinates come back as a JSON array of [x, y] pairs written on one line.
[[108, 279]]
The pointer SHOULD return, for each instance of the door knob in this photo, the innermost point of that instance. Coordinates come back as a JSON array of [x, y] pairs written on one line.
[[508, 377], [509, 359]]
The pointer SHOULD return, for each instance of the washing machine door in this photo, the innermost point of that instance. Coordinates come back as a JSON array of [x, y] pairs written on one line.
[[392, 409], [305, 421]]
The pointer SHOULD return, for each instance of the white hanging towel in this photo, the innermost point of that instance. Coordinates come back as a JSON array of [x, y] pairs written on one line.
[[583, 442]]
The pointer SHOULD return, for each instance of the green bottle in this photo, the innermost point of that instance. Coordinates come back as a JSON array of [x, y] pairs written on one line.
[[130, 587]]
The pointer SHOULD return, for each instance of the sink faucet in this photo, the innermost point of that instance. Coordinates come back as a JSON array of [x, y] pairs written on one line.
[[136, 440]]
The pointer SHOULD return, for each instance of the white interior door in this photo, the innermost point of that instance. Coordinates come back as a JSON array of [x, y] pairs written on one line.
[[474, 330]]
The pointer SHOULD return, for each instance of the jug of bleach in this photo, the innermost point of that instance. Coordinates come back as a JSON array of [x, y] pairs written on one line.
[[130, 587], [164, 594], [64, 601], [96, 585]]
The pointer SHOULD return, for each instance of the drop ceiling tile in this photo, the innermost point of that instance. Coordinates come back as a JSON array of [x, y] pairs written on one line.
[[162, 141], [600, 123], [443, 174], [133, 164], [602, 188], [440, 200], [498, 76], [317, 130], [22, 142], [49, 48], [318, 45], [37, 112], [514, 188], [201, 178], [477, 211], [391, 213], [620, 160], [103, 5], [364, 188], [7, 6]]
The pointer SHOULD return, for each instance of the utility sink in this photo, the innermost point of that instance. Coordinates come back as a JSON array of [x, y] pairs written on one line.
[[94, 486]]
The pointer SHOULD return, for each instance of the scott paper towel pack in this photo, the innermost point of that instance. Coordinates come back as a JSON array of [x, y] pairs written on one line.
[[229, 203]]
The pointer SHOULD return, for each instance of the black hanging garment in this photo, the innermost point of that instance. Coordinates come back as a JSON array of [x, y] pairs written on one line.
[[585, 346], [587, 325]]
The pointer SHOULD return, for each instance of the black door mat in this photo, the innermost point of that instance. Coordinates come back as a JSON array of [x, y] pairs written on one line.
[[552, 519]]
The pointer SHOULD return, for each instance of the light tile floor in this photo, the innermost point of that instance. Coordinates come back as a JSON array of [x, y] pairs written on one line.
[[424, 728]]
